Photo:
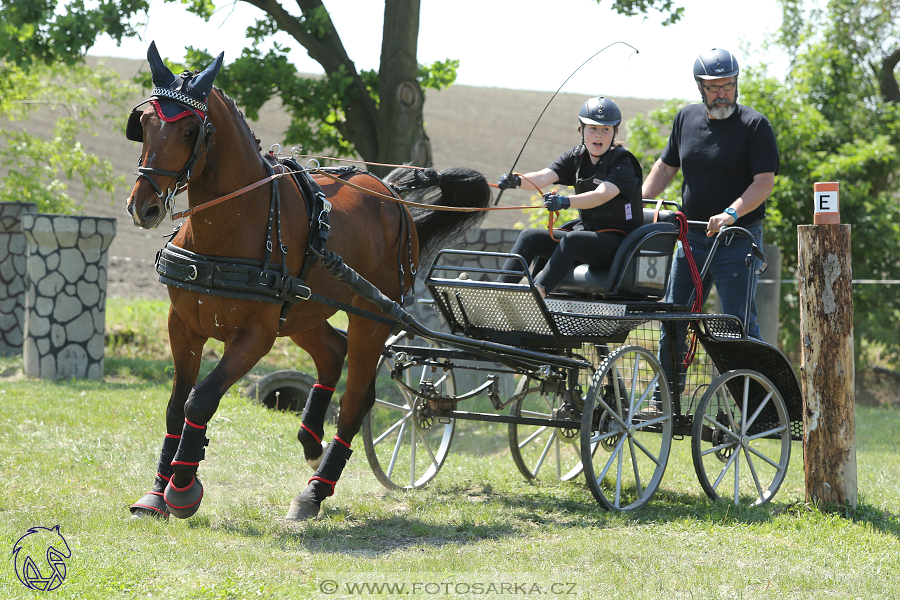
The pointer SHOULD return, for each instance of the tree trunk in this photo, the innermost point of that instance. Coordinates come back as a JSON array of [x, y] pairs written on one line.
[[887, 83], [826, 328], [401, 133]]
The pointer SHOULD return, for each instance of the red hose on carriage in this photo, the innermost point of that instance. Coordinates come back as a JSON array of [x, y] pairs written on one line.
[[697, 306]]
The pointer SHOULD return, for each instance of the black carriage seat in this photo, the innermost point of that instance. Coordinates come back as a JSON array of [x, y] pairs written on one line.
[[640, 268]]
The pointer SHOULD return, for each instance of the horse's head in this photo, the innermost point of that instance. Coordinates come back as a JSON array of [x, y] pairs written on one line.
[[176, 134]]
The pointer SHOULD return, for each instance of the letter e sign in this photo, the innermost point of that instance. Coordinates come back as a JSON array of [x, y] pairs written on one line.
[[826, 209]]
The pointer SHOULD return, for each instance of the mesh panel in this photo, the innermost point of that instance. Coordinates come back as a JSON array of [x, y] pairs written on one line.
[[587, 326], [585, 308], [724, 329], [494, 309]]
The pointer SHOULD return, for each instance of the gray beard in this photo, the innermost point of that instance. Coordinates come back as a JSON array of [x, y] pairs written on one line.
[[721, 112]]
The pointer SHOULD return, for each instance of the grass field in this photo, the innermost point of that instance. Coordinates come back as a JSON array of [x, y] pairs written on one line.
[[78, 453]]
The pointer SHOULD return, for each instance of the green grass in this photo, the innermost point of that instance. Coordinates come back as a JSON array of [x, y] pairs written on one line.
[[78, 453]]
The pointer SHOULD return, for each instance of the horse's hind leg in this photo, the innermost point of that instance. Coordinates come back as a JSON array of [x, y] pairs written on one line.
[[328, 348], [186, 353], [366, 341], [242, 350]]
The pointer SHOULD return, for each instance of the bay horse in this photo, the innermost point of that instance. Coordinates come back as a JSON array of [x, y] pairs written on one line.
[[190, 122]]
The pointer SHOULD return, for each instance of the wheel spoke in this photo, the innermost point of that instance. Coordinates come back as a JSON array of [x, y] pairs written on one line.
[[544, 452], [724, 470], [401, 422], [531, 437], [758, 410], [649, 454], [770, 432], [753, 473], [381, 402], [425, 443], [723, 428], [764, 457], [634, 465], [396, 452]]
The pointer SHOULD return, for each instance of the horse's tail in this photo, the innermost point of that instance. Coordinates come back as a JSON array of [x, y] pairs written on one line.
[[454, 186]]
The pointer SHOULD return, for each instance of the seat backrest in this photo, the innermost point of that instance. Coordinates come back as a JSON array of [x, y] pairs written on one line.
[[643, 261]]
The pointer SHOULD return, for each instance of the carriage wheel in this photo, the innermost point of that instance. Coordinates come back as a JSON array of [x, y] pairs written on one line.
[[741, 438], [540, 451], [624, 446], [404, 448]]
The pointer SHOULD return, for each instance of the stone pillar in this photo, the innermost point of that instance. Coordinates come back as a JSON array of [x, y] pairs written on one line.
[[65, 313], [13, 268]]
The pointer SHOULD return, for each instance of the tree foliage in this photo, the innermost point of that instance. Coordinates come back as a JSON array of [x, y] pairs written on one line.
[[37, 165], [835, 120], [375, 114]]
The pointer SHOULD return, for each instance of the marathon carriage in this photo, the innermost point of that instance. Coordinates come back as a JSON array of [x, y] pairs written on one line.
[[250, 263], [592, 395]]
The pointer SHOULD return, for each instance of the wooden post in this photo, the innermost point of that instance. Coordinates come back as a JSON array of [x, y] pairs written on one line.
[[827, 377]]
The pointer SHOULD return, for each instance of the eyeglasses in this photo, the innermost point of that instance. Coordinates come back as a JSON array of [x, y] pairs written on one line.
[[714, 89]]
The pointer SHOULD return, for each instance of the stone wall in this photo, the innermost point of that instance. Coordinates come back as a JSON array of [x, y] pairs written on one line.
[[13, 269], [65, 314]]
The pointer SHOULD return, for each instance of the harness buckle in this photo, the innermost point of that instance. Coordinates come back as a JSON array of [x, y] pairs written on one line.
[[193, 275]]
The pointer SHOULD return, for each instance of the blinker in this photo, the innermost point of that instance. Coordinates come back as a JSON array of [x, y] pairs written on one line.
[[133, 130]]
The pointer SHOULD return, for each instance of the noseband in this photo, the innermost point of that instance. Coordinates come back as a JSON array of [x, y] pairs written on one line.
[[134, 132]]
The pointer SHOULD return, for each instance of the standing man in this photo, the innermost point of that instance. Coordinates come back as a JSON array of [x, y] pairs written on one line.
[[729, 158]]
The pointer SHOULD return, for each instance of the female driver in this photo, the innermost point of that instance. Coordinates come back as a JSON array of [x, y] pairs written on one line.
[[607, 180]]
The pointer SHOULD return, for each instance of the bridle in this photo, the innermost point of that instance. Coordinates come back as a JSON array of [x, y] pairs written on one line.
[[134, 132]]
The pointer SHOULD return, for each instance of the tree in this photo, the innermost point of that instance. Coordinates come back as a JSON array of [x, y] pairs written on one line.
[[376, 114], [836, 118], [37, 165]]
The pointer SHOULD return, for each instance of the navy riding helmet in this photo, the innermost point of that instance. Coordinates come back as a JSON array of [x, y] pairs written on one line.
[[715, 64]]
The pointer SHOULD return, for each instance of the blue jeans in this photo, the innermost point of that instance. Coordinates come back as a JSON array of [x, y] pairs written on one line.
[[732, 277]]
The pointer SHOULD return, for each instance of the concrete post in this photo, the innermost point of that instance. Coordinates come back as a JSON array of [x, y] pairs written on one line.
[[65, 313]]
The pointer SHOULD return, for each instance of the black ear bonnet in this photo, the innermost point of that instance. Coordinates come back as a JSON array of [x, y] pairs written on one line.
[[174, 97]]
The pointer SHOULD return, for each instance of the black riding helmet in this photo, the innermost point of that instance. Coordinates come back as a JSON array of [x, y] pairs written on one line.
[[600, 111], [715, 64]]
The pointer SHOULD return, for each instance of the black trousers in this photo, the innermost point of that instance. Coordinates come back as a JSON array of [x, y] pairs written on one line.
[[574, 247]]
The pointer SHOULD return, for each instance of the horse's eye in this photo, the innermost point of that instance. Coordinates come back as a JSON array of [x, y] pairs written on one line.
[[190, 133]]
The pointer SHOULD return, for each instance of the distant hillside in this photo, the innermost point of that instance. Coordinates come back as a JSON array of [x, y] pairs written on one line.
[[481, 128]]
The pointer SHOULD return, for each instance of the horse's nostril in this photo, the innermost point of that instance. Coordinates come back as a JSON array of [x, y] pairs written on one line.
[[152, 214]]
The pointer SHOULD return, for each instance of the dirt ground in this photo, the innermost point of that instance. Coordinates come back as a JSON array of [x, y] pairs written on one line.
[[481, 128]]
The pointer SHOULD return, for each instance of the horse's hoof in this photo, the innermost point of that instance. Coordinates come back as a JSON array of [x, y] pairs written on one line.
[[151, 505], [302, 510], [184, 502], [315, 462]]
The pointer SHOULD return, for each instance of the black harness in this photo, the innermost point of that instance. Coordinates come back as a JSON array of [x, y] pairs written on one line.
[[266, 280]]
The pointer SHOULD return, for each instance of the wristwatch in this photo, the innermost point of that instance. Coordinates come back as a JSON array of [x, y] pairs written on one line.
[[732, 212]]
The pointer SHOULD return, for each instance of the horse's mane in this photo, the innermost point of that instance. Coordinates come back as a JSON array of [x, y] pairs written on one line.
[[239, 114]]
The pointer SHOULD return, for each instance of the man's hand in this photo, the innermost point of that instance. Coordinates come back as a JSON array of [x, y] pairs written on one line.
[[717, 222]]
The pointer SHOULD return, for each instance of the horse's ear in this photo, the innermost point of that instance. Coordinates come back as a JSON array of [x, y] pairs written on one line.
[[162, 76], [202, 83]]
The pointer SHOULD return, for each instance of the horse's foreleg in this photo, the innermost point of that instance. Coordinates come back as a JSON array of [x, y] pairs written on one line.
[[328, 348], [184, 491], [366, 343], [186, 354]]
